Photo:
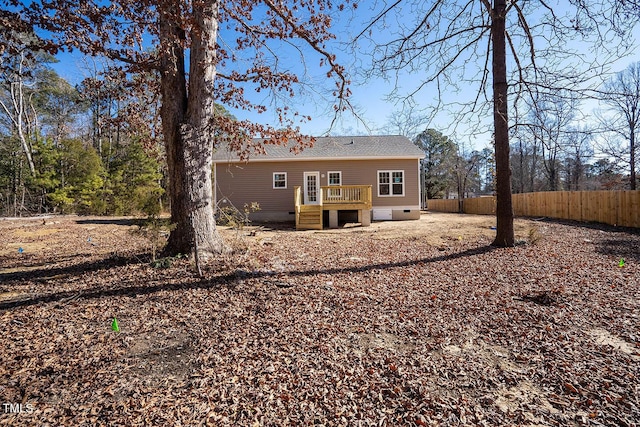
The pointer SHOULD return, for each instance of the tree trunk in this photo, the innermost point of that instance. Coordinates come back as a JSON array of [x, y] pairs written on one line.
[[187, 122], [632, 157], [504, 209], [16, 112], [521, 166]]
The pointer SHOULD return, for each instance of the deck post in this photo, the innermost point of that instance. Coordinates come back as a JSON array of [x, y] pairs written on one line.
[[364, 217], [333, 219]]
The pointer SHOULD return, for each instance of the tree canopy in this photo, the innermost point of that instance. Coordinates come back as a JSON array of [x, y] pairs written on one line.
[[621, 95], [205, 53]]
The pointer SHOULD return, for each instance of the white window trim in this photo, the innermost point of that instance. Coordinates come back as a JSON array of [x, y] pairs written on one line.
[[329, 173], [286, 181], [334, 193], [390, 172]]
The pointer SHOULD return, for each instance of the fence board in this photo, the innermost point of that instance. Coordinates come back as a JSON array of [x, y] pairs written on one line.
[[574, 199], [443, 205], [630, 207], [480, 205], [608, 207]]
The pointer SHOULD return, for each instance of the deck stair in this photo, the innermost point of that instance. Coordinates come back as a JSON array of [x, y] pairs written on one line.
[[331, 198], [309, 218]]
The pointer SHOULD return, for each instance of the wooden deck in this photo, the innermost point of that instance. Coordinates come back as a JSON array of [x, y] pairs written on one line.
[[332, 198]]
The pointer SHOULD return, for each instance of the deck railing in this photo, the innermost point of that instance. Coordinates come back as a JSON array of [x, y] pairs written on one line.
[[297, 201], [338, 196], [346, 195], [297, 196]]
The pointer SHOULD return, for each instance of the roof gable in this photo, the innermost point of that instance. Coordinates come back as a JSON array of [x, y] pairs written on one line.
[[334, 147]]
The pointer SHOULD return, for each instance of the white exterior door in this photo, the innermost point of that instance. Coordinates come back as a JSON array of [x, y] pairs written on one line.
[[311, 188]]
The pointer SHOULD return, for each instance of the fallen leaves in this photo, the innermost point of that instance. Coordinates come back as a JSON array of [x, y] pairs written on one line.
[[329, 329], [570, 388]]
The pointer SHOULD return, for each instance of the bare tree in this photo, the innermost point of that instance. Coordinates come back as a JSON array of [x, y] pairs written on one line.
[[486, 171], [465, 169], [578, 150], [621, 96], [17, 80], [455, 44], [551, 117], [219, 71], [407, 122], [525, 159]]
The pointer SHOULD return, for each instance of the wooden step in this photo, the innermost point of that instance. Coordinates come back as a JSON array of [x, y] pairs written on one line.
[[311, 214], [310, 218]]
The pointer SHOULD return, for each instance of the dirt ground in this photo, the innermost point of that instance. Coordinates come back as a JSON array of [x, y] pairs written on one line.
[[401, 323], [437, 229], [46, 235], [31, 243]]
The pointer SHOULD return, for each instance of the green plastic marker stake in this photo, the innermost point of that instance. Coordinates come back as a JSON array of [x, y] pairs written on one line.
[[621, 263], [114, 325]]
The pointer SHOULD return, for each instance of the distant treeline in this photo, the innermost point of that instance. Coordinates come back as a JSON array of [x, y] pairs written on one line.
[[92, 148]]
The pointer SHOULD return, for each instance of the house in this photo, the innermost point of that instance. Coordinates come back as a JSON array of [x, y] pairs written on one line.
[[354, 178]]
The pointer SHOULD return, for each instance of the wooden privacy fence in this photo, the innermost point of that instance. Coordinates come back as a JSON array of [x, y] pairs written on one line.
[[477, 205], [608, 207]]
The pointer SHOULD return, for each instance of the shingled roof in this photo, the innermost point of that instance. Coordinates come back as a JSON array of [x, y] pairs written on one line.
[[336, 147]]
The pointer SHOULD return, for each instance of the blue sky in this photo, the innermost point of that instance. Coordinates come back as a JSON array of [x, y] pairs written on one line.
[[369, 94]]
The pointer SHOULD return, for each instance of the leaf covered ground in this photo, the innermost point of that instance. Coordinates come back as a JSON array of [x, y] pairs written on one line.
[[357, 327]]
